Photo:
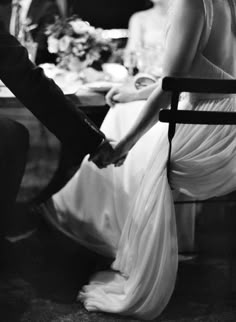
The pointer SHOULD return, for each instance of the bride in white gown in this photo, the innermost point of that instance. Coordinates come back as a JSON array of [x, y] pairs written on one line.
[[127, 212]]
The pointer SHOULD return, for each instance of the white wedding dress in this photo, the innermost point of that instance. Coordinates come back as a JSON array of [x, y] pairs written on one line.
[[127, 212]]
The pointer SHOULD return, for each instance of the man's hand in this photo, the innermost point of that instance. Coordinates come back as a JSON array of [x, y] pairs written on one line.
[[103, 154]]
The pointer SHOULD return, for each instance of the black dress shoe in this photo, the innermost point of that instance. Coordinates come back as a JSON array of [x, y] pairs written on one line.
[[24, 223]]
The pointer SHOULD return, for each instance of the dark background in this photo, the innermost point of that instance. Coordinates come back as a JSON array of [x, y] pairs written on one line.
[[107, 13]]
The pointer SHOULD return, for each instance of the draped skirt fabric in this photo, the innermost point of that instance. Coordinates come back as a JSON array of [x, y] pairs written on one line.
[[127, 213]]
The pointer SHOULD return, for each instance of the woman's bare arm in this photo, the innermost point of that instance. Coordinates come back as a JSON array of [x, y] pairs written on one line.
[[126, 93], [182, 43]]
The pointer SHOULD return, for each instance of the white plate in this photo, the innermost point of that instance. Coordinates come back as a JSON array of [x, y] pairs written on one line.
[[101, 86]]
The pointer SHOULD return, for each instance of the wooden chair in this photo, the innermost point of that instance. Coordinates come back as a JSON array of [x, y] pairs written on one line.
[[173, 116], [194, 85], [176, 86]]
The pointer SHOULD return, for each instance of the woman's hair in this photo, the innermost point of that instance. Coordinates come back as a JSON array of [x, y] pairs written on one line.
[[232, 4]]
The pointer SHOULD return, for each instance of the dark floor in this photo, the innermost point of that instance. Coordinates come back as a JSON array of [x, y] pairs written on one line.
[[44, 272]]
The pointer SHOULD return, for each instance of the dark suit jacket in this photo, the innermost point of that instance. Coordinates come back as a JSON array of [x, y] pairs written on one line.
[[44, 98], [41, 13]]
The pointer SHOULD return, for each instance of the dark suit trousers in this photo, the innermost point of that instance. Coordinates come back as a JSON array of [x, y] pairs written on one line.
[[14, 141]]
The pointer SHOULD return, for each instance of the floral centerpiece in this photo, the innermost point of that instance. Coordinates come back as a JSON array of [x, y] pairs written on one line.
[[77, 44]]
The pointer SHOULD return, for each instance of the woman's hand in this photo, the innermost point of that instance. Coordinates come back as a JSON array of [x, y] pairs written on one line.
[[109, 153], [121, 94], [119, 154]]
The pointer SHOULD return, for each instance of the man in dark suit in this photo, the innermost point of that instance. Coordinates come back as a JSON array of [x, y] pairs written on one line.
[[38, 13], [47, 102]]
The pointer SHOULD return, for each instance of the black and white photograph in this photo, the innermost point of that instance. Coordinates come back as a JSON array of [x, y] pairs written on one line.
[[117, 160]]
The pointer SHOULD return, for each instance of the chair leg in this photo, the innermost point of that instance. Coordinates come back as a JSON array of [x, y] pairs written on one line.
[[231, 244]]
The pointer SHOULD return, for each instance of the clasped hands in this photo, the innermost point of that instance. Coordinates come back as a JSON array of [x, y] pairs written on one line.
[[109, 153]]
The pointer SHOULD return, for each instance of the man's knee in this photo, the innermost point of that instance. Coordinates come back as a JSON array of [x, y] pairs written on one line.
[[13, 137]]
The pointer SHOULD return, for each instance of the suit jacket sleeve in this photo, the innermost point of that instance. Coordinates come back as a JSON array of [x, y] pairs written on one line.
[[44, 98]]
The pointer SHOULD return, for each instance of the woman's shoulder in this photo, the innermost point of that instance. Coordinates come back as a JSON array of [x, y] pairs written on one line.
[[189, 8]]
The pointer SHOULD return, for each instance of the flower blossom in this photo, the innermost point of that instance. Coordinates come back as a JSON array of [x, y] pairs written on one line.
[[81, 27], [53, 45], [64, 43]]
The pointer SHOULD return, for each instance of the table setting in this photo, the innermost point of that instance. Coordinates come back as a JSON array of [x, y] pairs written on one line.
[[89, 61]]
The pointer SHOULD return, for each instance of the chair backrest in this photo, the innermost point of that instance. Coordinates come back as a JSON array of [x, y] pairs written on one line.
[[178, 85]]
